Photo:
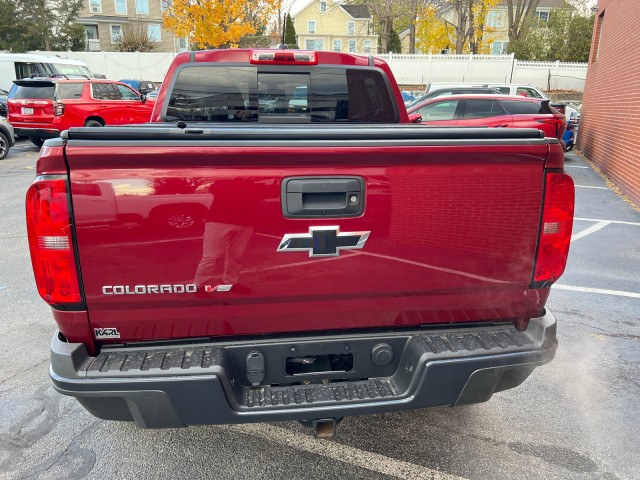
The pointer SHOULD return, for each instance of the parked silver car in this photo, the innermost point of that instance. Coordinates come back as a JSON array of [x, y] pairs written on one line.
[[7, 137]]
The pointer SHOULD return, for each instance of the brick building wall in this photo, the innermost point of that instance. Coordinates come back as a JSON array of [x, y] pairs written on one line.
[[609, 131]]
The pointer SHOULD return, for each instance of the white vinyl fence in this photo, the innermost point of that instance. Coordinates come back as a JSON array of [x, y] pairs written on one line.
[[423, 69], [408, 69]]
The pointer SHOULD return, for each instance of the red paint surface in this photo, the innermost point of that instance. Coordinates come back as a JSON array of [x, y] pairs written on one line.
[[453, 237]]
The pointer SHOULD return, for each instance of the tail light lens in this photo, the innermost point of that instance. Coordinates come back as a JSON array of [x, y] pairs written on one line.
[[58, 109], [555, 232], [50, 241]]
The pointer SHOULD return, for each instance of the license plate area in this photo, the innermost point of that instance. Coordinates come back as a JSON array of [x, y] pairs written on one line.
[[27, 111], [319, 364]]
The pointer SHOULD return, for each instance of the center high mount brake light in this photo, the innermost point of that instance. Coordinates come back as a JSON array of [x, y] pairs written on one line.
[[298, 57]]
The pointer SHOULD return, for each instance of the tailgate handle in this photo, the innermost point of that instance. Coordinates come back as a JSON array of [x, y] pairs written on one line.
[[322, 197]]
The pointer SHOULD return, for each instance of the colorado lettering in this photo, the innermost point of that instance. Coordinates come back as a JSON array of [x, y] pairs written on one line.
[[148, 289]]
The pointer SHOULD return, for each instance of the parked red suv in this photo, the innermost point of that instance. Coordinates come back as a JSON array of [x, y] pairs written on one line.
[[42, 108], [491, 111]]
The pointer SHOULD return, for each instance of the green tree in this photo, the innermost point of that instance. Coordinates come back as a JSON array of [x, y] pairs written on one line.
[[394, 45], [290, 32], [565, 37], [39, 24]]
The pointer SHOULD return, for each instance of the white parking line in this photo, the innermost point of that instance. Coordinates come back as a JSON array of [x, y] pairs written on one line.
[[591, 229], [617, 293], [588, 186], [574, 166], [597, 220], [343, 453]]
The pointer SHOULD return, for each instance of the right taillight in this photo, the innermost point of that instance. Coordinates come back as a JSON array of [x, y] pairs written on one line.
[[50, 241], [555, 231]]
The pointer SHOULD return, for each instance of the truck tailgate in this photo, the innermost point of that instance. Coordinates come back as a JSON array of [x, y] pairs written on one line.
[[185, 234]]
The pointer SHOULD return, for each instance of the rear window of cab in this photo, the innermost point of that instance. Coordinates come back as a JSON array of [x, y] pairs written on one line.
[[246, 94]]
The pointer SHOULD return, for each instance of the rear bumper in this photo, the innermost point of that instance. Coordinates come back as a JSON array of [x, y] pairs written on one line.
[[37, 132], [206, 383]]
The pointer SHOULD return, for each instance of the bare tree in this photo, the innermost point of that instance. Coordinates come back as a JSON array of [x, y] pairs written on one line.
[[519, 12]]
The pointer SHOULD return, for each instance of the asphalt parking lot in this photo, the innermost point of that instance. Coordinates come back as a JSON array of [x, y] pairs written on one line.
[[577, 417]]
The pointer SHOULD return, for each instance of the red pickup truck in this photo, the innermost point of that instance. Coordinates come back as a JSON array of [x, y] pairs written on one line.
[[344, 261]]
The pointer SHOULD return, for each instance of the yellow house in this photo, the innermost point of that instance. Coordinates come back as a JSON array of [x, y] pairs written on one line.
[[329, 25]]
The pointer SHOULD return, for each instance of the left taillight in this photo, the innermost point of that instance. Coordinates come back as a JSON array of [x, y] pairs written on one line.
[[58, 109], [555, 232], [49, 230]]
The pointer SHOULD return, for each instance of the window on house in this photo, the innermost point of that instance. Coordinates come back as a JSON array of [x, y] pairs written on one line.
[[366, 46], [116, 33], [183, 44], [543, 15], [495, 19], [337, 45], [95, 6], [323, 5], [352, 46], [142, 7], [153, 32], [499, 48], [121, 7], [351, 28], [311, 26], [314, 44]]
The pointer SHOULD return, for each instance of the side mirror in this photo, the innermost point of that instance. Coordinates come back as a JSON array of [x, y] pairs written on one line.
[[415, 118], [143, 98]]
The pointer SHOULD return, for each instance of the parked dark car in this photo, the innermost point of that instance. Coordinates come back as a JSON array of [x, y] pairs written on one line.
[[3, 102], [7, 138], [442, 92], [508, 111], [142, 86]]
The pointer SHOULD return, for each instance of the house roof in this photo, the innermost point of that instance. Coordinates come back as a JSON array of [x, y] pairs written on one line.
[[357, 11]]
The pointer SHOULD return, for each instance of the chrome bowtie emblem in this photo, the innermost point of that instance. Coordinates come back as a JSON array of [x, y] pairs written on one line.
[[323, 241]]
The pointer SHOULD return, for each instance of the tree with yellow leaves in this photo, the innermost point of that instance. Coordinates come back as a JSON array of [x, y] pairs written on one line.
[[455, 24], [216, 23]]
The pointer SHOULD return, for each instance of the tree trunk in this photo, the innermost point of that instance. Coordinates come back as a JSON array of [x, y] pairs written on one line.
[[412, 26]]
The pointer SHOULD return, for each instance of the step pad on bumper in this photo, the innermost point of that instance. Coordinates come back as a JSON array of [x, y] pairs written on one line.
[[308, 394]]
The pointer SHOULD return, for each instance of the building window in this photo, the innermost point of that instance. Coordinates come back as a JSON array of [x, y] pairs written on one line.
[[116, 33], [366, 46], [121, 7], [314, 44], [142, 7], [595, 51], [351, 28], [337, 45], [153, 32], [311, 26], [495, 19], [542, 15], [323, 5], [164, 4], [352, 46], [183, 44], [499, 48], [95, 6]]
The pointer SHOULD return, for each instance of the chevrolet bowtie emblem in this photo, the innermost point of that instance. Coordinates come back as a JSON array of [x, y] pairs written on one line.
[[323, 241]]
